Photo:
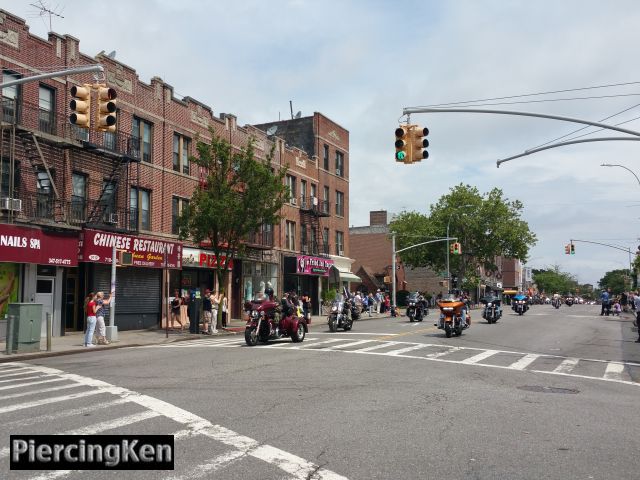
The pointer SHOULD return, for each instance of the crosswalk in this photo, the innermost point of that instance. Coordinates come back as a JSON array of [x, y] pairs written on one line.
[[50, 401], [621, 372]]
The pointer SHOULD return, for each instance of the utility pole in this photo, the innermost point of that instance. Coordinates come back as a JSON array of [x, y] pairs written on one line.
[[69, 71], [393, 268]]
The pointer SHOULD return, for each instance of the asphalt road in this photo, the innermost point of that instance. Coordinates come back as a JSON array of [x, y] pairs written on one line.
[[549, 395]]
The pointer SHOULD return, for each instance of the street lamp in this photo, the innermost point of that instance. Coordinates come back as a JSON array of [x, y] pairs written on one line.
[[448, 271], [621, 166]]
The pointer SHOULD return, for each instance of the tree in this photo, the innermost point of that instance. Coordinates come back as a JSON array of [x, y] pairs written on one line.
[[617, 280], [241, 196], [553, 281], [486, 225]]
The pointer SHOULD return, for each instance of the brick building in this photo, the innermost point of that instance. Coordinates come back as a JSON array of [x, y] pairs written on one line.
[[68, 194]]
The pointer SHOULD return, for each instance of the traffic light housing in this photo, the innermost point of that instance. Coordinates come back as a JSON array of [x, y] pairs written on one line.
[[106, 111], [80, 106], [567, 249], [456, 248], [451, 247], [403, 144], [573, 249], [419, 143]]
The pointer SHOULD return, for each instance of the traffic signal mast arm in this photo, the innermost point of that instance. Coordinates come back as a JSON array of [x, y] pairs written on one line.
[[628, 250]]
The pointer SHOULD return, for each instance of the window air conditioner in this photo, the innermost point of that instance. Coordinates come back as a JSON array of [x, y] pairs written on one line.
[[314, 201], [111, 218], [294, 201], [338, 171], [341, 253], [11, 204]]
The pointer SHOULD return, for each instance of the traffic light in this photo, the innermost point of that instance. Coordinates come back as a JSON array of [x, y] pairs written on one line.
[[403, 145], [419, 143], [567, 249], [106, 121], [452, 247], [573, 249], [80, 106], [457, 248]]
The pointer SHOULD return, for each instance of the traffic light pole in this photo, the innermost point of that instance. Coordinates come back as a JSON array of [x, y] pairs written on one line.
[[69, 71], [395, 252], [628, 250]]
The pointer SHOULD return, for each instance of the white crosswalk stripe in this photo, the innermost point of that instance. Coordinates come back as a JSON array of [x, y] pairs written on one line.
[[189, 425]]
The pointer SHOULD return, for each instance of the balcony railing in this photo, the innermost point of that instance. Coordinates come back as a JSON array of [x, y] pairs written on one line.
[[30, 117], [261, 239], [43, 208], [315, 206]]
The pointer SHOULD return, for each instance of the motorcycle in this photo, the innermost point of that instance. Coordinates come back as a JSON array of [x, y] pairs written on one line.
[[268, 320], [555, 302], [416, 308], [454, 317], [492, 309], [568, 301], [520, 304], [340, 314]]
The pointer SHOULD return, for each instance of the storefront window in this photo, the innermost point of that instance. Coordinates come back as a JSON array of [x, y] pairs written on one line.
[[255, 276]]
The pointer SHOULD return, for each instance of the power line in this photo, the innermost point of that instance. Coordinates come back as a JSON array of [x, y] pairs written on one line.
[[544, 101], [532, 94]]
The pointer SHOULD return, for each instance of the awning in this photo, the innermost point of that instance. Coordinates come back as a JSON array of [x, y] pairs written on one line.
[[349, 277]]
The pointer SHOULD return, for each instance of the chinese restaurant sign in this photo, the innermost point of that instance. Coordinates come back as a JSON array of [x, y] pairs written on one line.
[[313, 265], [97, 246], [30, 245]]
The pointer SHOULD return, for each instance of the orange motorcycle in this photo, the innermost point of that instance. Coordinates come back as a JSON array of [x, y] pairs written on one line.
[[454, 316]]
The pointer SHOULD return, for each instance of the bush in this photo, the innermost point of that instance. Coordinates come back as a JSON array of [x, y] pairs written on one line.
[[329, 295]]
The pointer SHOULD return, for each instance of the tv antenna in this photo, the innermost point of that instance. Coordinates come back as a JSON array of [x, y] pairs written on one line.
[[271, 130], [46, 10]]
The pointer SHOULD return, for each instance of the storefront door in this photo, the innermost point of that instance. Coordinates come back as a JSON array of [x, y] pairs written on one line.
[[44, 295]]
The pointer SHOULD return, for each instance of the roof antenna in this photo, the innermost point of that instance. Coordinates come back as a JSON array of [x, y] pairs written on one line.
[[45, 10], [291, 108]]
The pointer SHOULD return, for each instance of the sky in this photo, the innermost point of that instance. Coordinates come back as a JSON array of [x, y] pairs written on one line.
[[361, 62]]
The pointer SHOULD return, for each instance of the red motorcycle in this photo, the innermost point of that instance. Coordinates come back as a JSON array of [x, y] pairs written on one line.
[[269, 320]]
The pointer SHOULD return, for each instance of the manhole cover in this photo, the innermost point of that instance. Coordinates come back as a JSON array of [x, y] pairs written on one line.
[[541, 389]]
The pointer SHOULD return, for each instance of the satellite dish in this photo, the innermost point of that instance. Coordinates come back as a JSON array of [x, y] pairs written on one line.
[[299, 114], [271, 130], [112, 55]]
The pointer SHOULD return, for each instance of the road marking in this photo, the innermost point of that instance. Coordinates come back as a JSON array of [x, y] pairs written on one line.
[[524, 362], [406, 349], [376, 347], [213, 464], [351, 332], [301, 347], [614, 371], [297, 467], [567, 365], [19, 385], [27, 378], [42, 390], [350, 344], [46, 401], [479, 357], [442, 354], [413, 332], [3, 375]]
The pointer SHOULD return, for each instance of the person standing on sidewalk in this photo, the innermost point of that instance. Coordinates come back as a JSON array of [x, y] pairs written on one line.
[[91, 321], [636, 302], [207, 314], [215, 306], [101, 311], [371, 302], [223, 301], [604, 298]]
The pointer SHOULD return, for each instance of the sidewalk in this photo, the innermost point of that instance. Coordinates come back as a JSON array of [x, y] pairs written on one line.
[[72, 342]]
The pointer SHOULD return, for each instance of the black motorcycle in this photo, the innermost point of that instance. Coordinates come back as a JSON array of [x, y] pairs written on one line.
[[568, 301], [416, 308], [492, 309], [555, 302]]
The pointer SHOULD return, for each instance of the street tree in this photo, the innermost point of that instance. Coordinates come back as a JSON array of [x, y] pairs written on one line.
[[617, 280], [486, 225], [240, 196], [552, 280]]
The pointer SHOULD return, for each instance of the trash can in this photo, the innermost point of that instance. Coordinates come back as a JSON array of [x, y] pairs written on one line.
[[26, 327]]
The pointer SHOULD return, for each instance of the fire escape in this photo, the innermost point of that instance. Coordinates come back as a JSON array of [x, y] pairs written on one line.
[[313, 241]]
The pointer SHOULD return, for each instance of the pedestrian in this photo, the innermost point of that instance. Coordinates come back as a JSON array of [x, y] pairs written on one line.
[[387, 303], [206, 309], [623, 301], [371, 302], [306, 307], [224, 309], [175, 309], [215, 306], [636, 303], [91, 320], [616, 308], [101, 311], [604, 299], [378, 301]]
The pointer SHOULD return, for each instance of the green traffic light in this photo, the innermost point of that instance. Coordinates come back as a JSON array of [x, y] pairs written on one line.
[[401, 155]]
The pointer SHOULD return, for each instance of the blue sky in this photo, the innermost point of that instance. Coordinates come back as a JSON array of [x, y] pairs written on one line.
[[361, 62]]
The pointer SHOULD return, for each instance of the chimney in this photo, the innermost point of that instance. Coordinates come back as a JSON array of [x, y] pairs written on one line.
[[378, 217]]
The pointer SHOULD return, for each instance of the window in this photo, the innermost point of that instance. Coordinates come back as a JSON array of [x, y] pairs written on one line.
[[290, 235], [339, 243], [140, 209], [314, 241], [10, 97], [303, 192], [181, 146], [44, 197], [109, 138], [45, 109], [141, 134], [178, 205], [108, 201], [325, 241], [314, 190], [78, 197], [291, 183], [304, 243], [339, 203], [340, 164], [325, 195], [325, 157]]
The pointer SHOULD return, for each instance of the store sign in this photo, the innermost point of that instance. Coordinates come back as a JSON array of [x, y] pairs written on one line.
[[313, 265], [30, 245], [97, 246], [194, 257]]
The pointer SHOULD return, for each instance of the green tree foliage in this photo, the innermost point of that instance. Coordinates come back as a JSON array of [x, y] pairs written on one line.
[[552, 281], [487, 225], [240, 196], [617, 280]]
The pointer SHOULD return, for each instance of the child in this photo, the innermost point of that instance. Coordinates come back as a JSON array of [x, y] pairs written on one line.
[[616, 308]]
